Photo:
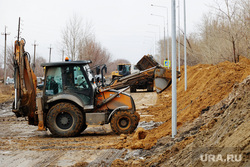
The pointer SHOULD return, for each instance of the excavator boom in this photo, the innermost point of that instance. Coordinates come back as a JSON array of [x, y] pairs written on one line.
[[25, 84]]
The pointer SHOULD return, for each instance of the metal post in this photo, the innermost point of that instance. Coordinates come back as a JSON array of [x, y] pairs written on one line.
[[167, 38], [164, 57], [179, 37], [174, 94], [185, 45]]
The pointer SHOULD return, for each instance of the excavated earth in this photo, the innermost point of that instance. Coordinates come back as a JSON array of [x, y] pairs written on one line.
[[212, 120]]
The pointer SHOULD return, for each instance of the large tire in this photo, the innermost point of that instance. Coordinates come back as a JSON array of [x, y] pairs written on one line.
[[65, 120], [83, 128], [123, 122]]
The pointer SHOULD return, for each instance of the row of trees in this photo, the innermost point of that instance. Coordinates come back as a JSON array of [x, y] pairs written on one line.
[[224, 34], [78, 42]]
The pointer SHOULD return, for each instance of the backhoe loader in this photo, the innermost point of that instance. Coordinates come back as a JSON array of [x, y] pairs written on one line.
[[71, 100]]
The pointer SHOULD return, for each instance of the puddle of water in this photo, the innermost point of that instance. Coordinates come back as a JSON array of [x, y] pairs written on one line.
[[6, 110]]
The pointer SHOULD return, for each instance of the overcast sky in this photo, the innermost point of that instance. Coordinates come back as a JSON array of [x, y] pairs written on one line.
[[121, 26]]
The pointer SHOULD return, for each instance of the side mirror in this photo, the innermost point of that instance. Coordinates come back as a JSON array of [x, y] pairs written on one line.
[[105, 69]]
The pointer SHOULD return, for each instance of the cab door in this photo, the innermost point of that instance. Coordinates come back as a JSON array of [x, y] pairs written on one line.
[[76, 83]]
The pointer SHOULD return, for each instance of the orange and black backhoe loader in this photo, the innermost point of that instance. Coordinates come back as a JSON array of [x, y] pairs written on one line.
[[71, 100]]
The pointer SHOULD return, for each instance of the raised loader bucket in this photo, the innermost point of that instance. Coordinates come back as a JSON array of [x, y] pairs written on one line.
[[162, 79]]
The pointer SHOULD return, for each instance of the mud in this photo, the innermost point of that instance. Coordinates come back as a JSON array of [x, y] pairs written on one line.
[[23, 145]]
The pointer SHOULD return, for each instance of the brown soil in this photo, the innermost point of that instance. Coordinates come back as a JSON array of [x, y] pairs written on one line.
[[207, 85], [6, 93], [213, 117]]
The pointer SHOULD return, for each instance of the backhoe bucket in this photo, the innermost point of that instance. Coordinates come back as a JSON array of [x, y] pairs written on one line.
[[162, 79]]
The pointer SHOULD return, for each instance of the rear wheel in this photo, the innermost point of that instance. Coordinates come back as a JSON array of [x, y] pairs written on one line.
[[65, 119], [124, 122]]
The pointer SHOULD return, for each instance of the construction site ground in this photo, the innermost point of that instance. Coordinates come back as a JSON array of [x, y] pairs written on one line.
[[212, 118]]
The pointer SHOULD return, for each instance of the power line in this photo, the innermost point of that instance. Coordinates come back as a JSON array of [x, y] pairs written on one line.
[[5, 34]]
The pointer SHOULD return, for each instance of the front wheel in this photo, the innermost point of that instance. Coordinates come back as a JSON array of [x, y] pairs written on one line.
[[123, 122], [64, 120]]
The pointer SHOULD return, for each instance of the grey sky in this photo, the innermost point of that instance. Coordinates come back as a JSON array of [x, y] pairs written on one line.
[[121, 26]]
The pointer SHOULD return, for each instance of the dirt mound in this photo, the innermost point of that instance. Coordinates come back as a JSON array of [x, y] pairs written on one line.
[[222, 133], [207, 85], [222, 130]]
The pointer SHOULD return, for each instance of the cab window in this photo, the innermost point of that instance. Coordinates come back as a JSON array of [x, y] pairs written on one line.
[[53, 81]]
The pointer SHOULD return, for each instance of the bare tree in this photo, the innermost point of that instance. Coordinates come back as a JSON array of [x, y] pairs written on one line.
[[80, 43], [39, 71], [10, 61], [72, 35], [222, 32], [89, 49]]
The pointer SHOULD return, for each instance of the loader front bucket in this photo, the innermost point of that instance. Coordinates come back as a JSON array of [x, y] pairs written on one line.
[[163, 78], [161, 84]]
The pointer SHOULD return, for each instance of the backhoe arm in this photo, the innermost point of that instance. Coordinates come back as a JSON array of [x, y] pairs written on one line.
[[25, 84]]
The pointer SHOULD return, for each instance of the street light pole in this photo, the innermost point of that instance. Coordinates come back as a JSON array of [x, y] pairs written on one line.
[[164, 35], [164, 30], [154, 42], [174, 94], [159, 29], [179, 38]]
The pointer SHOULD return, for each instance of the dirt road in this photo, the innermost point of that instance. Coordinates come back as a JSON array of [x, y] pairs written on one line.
[[22, 145]]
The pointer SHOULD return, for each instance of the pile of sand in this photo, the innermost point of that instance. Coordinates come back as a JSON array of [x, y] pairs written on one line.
[[207, 85], [6, 93]]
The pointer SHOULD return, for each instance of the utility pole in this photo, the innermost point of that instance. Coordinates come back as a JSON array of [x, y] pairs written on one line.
[[174, 94], [34, 62], [50, 53], [5, 45]]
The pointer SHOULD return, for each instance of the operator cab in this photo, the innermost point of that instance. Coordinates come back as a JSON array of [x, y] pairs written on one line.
[[124, 69], [69, 81]]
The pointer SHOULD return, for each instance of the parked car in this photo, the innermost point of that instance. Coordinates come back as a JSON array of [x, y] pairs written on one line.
[[9, 80]]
